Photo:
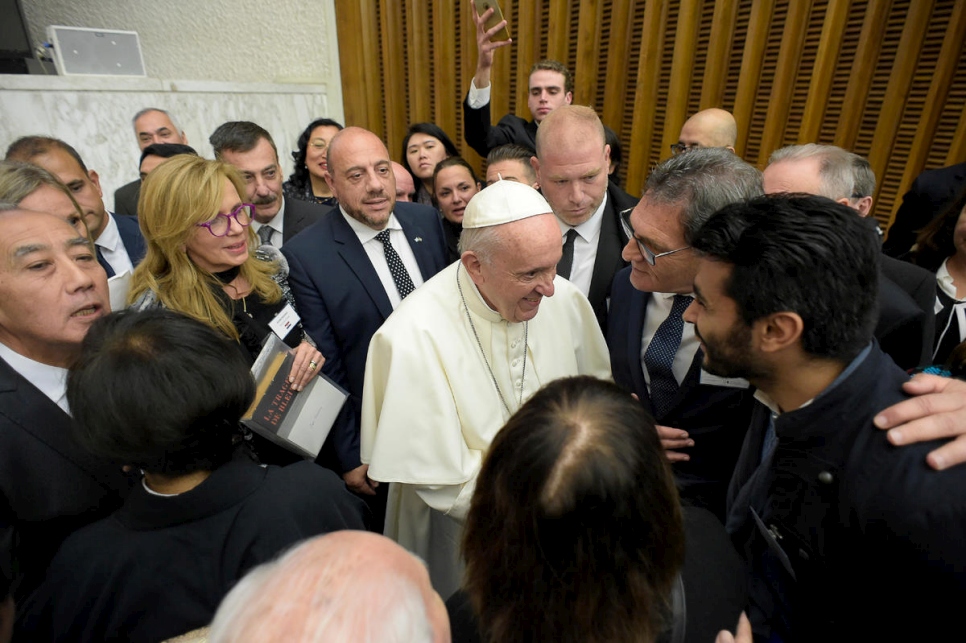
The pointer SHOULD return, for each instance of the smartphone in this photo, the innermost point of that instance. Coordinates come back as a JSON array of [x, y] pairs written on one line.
[[496, 17]]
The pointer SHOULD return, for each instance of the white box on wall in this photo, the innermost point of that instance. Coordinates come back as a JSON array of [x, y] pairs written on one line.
[[96, 52]]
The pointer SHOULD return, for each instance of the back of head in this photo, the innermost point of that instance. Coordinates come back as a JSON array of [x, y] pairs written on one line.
[[340, 588], [191, 384], [166, 150], [568, 123], [238, 136], [843, 175], [574, 532], [701, 182], [803, 254]]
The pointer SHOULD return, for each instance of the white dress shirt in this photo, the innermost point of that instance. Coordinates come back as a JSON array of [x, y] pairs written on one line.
[[277, 224], [377, 253], [585, 247], [112, 247]]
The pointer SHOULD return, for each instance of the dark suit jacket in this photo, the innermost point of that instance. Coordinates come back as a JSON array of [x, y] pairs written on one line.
[[132, 238], [299, 215], [920, 285], [905, 331], [49, 486], [483, 137], [609, 248], [927, 196], [342, 302], [126, 198], [716, 417]]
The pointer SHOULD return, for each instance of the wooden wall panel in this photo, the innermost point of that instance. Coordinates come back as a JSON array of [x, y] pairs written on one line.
[[885, 78]]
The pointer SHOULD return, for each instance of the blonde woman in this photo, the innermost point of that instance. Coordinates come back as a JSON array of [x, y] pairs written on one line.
[[203, 261]]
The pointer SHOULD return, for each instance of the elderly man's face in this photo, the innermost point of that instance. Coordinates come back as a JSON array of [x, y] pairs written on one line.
[[263, 178], [156, 127], [51, 287], [520, 272], [658, 226]]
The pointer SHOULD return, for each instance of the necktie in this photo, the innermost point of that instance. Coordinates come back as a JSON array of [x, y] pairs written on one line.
[[404, 285], [101, 260], [659, 357], [566, 263], [265, 235]]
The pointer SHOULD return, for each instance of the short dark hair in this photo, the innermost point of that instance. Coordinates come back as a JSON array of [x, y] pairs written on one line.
[[238, 136], [557, 66], [804, 254], [26, 148], [934, 244], [616, 155], [430, 129], [574, 532], [299, 177], [510, 152], [166, 151], [159, 391], [701, 182]]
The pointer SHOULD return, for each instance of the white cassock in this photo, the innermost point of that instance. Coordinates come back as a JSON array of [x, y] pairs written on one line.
[[430, 408]]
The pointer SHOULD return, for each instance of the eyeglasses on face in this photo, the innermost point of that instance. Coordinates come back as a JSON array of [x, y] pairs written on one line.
[[681, 148], [221, 224], [647, 253]]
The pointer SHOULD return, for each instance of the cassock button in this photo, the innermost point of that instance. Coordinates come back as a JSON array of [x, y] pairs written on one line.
[[825, 477], [515, 362], [514, 343], [519, 384]]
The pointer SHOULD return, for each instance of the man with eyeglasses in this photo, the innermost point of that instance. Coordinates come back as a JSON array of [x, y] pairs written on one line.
[[654, 354], [571, 165], [708, 128], [250, 148]]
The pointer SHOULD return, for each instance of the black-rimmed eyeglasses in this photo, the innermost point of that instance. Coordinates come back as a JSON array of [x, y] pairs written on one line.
[[649, 256], [221, 224]]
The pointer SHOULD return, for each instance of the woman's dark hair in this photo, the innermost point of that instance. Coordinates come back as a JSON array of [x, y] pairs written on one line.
[[574, 532], [430, 129], [934, 243], [159, 391], [299, 177]]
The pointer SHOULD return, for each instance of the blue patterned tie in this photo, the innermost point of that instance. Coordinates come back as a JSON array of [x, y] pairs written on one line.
[[659, 357]]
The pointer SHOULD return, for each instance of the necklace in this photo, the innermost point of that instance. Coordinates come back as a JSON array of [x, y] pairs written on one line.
[[526, 328]]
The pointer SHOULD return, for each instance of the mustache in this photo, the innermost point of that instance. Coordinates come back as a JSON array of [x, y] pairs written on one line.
[[265, 200]]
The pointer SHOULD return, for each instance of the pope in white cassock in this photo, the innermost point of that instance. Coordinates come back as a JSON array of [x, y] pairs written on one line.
[[459, 356]]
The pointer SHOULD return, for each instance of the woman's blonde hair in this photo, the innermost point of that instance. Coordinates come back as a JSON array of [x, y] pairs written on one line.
[[179, 194]]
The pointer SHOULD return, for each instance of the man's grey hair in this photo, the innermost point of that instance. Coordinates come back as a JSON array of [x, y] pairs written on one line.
[[294, 599], [484, 242], [843, 174], [702, 182], [144, 111]]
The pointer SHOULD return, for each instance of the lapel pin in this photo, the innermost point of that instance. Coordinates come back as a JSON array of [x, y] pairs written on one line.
[[418, 239]]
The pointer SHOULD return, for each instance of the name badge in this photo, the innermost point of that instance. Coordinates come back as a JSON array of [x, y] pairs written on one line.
[[285, 321], [729, 382]]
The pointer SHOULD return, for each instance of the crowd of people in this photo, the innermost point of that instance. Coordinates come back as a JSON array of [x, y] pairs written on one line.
[[711, 429]]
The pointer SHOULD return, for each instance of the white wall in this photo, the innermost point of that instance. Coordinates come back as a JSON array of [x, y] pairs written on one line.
[[208, 61]]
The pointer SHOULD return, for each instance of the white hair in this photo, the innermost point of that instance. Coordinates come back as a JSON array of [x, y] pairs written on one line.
[[307, 601]]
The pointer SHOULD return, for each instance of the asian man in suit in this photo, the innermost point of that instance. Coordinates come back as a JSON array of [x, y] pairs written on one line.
[[351, 269], [51, 291], [251, 149]]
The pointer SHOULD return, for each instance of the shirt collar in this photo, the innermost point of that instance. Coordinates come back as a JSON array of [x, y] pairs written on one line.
[[589, 228], [277, 222], [110, 236], [945, 280], [474, 298], [364, 232], [765, 399]]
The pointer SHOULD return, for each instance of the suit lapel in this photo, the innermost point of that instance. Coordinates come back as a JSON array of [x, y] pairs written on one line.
[[358, 262], [415, 235], [34, 413], [635, 328], [608, 254]]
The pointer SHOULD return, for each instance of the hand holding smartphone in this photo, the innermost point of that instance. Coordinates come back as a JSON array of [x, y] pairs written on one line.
[[495, 18]]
